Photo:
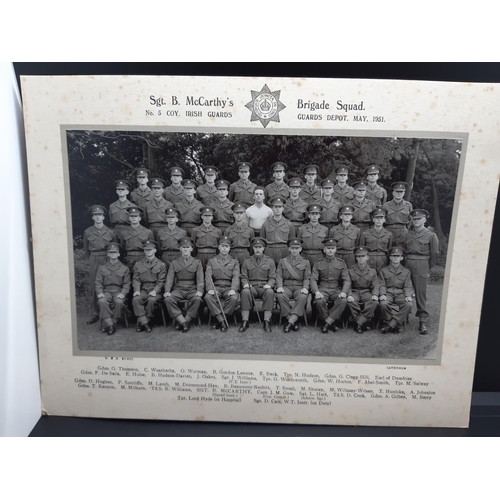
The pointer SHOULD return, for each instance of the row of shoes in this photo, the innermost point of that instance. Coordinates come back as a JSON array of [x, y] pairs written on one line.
[[245, 324]]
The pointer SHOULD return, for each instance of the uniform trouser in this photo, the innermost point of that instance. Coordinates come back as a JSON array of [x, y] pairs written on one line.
[[144, 306], [419, 276], [110, 308], [257, 292], [94, 263], [292, 292], [363, 307], [240, 255], [377, 262], [330, 294], [276, 252], [229, 302], [312, 256], [347, 257], [178, 294], [395, 307], [399, 234], [204, 257]]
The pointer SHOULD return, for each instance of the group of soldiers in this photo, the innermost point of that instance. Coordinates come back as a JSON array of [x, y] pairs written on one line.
[[233, 244]]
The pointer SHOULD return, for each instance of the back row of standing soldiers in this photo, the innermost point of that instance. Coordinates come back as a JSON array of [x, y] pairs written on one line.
[[239, 211]]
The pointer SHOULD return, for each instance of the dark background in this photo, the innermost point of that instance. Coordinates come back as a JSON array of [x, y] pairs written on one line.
[[487, 371]]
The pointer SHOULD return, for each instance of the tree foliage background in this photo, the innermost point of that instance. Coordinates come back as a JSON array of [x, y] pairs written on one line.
[[98, 158]]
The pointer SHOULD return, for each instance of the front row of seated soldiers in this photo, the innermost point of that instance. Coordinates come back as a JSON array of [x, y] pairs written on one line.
[[333, 285]]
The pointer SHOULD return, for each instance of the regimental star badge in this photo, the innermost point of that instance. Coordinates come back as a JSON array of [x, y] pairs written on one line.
[[265, 106]]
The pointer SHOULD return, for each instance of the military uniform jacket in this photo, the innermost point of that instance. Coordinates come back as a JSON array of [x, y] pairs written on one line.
[[392, 278], [261, 271], [174, 195], [310, 194], [242, 192], [424, 243], [272, 190], [377, 241], [185, 274], [155, 211], [223, 211], [364, 279], [206, 194], [277, 231], [132, 238], [377, 194], [149, 275], [206, 237], [330, 210], [293, 272], [141, 197], [312, 236], [295, 210], [330, 273], [398, 213], [95, 240], [347, 238], [362, 211], [168, 238], [224, 272], [118, 212], [113, 278], [343, 195], [241, 236], [189, 210]]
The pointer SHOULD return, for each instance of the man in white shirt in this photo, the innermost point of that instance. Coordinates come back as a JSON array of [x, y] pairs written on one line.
[[258, 213]]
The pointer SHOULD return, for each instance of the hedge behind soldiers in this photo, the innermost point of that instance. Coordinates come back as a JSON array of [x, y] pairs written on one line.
[[207, 193], [398, 213], [95, 240], [242, 190], [240, 234], [310, 192], [293, 277], [132, 237], [295, 207], [222, 277], [168, 237], [378, 240], [206, 237], [154, 212], [312, 234], [141, 194], [375, 192], [278, 188], [118, 214], [112, 286], [148, 281], [189, 207], [175, 192]]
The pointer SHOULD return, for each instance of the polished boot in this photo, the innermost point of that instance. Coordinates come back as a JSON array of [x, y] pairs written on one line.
[[147, 328], [422, 329], [325, 328], [358, 329], [93, 319], [111, 330], [223, 327], [267, 326], [244, 326], [185, 327], [287, 327]]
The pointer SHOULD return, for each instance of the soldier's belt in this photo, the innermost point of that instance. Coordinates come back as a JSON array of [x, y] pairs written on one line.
[[292, 283], [113, 284], [239, 249], [258, 283], [312, 251], [185, 282], [417, 257], [222, 282], [206, 250], [377, 254], [276, 244], [360, 289], [166, 250], [345, 252], [99, 253], [394, 289], [396, 225]]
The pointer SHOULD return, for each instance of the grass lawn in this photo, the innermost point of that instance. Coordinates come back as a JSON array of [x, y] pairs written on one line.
[[308, 341]]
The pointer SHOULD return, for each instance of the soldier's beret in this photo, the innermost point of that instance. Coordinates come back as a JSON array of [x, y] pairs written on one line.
[[149, 244], [176, 171], [346, 209], [207, 211], [97, 209], [295, 182], [277, 201], [211, 170], [314, 208], [373, 169], [342, 170], [239, 207], [258, 241], [185, 242], [156, 182], [419, 213], [360, 185], [142, 172], [279, 165], [134, 211], [222, 184], [121, 184], [329, 242], [113, 246], [327, 183], [379, 212], [189, 183], [225, 240], [244, 166], [397, 250], [361, 251], [294, 242], [172, 212], [399, 186], [310, 169]]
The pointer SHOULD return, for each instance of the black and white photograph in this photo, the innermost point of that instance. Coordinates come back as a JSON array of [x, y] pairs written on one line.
[[261, 244]]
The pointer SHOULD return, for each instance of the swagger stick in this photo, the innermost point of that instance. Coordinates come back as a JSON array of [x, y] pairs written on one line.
[[251, 296], [218, 299]]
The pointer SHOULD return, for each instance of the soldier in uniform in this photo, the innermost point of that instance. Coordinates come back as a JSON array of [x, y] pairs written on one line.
[[223, 215], [95, 241], [378, 240], [133, 236], [277, 231], [184, 282], [330, 281], [258, 277], [395, 292], [207, 193], [222, 277], [258, 213], [240, 234], [206, 237], [422, 249], [118, 215], [175, 192], [398, 213], [278, 188], [141, 194], [293, 277], [148, 281], [154, 213], [310, 192], [375, 192], [189, 207], [169, 236], [331, 206], [112, 286], [342, 192], [313, 234], [362, 207], [242, 190], [346, 235], [295, 207], [362, 300]]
